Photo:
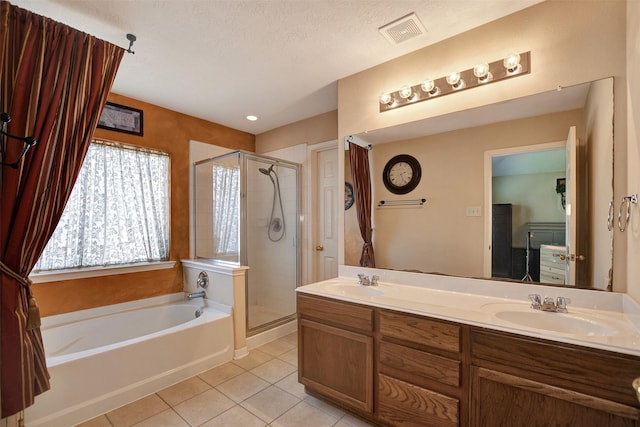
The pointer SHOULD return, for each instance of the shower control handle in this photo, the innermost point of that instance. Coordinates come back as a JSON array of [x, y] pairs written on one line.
[[319, 248]]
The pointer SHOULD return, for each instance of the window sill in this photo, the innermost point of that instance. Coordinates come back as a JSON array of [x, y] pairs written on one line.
[[56, 276]]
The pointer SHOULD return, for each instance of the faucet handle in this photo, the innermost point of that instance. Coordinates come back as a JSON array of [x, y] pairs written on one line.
[[363, 280], [374, 280], [536, 302], [561, 303]]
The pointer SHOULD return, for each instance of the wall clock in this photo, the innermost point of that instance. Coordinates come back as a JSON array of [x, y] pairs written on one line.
[[348, 196], [401, 174]]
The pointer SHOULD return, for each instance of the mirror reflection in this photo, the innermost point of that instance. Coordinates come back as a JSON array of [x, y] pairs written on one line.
[[518, 191]]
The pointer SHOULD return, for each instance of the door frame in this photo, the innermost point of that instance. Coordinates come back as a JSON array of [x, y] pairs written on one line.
[[311, 201], [488, 189]]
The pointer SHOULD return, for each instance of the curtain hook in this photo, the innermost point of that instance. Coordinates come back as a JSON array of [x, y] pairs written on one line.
[[131, 39]]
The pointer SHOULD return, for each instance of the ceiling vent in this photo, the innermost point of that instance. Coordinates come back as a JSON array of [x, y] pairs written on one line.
[[403, 29]]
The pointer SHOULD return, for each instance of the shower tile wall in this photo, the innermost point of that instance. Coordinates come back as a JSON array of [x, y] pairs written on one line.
[[204, 213]]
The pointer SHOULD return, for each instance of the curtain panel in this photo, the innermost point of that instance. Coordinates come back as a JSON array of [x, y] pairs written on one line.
[[54, 84], [361, 176]]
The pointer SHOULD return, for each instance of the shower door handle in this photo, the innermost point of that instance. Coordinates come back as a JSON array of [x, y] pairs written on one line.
[[319, 248]]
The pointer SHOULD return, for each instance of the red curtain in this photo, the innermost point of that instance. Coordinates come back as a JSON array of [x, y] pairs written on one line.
[[54, 83], [361, 176]]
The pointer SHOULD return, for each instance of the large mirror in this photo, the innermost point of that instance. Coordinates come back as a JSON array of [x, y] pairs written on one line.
[[517, 191]]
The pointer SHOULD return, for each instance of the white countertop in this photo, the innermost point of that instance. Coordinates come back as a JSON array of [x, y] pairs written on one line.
[[603, 320]]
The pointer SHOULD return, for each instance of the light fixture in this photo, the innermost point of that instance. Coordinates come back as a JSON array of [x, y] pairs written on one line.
[[482, 74], [386, 99], [481, 71], [455, 81], [406, 92], [429, 86], [252, 118], [512, 63]]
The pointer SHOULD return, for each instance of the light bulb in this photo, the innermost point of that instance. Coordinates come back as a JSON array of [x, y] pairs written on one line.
[[406, 92], [481, 71], [429, 86], [386, 99], [454, 80], [512, 63]]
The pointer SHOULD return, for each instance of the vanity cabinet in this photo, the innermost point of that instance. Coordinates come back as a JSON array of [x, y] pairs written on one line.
[[335, 351], [401, 369], [419, 371], [522, 381]]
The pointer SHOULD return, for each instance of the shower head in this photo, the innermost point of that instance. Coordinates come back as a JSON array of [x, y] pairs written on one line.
[[266, 171]]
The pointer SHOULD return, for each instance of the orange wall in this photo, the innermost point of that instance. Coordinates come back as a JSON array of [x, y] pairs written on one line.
[[168, 131]]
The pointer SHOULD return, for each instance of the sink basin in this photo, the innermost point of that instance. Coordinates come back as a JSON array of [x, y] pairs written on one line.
[[355, 290], [564, 323]]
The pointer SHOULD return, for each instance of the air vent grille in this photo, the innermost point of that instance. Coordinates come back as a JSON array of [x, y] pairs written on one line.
[[403, 29]]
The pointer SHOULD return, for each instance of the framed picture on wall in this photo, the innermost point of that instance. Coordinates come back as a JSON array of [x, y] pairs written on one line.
[[121, 118]]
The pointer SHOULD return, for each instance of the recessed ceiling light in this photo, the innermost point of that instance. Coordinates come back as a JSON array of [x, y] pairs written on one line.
[[252, 118]]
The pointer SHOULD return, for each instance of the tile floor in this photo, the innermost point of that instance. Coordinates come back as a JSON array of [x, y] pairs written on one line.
[[258, 390]]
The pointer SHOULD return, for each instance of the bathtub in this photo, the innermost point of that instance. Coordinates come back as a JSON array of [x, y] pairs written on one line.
[[103, 358]]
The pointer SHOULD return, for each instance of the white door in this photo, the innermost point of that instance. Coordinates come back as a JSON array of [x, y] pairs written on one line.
[[328, 199], [571, 208]]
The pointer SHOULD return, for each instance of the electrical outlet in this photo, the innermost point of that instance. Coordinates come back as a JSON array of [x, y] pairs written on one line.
[[474, 211]]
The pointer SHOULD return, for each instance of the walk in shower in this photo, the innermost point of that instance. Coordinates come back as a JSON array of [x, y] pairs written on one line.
[[247, 212]]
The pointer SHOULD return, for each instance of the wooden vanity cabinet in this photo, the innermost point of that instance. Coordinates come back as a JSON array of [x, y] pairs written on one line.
[[420, 375], [335, 351], [401, 369], [523, 381]]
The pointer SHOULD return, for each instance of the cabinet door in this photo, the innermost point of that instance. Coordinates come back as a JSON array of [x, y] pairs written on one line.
[[532, 403], [337, 364]]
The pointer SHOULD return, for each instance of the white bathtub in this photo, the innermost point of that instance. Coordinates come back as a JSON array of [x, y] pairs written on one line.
[[104, 358]]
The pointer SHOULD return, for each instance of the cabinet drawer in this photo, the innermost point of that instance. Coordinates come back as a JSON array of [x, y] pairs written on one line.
[[413, 365], [404, 404], [331, 311], [594, 372], [421, 331]]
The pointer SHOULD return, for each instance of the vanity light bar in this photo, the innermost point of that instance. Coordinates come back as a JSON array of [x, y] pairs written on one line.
[[482, 74]]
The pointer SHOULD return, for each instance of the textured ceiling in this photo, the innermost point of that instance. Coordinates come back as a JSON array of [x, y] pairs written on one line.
[[221, 60]]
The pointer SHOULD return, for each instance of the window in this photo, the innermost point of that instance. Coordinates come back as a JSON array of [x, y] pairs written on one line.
[[118, 212]]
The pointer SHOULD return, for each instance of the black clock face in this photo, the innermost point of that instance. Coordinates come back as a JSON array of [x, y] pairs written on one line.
[[401, 174]]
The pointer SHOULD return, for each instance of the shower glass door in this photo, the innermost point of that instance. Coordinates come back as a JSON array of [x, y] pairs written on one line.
[[271, 241]]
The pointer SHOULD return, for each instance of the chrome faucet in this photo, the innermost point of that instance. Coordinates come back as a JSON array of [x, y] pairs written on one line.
[[548, 304], [364, 280], [194, 295]]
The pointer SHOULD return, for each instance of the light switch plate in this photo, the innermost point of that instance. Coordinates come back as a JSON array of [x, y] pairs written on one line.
[[474, 211]]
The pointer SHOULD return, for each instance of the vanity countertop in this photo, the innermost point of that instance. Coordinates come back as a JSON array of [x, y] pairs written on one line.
[[595, 319]]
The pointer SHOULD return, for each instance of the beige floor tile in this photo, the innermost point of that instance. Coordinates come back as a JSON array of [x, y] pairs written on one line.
[[183, 390], [291, 357], [276, 347], [270, 403], [204, 407], [220, 374], [167, 418], [292, 338], [137, 411], [324, 406], [305, 415], [235, 417], [253, 359], [273, 371], [291, 385], [242, 386], [351, 421], [101, 421]]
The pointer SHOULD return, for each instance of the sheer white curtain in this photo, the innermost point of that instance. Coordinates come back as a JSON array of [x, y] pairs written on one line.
[[226, 209], [118, 212]]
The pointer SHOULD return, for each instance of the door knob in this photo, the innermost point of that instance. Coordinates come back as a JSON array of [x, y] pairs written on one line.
[[319, 248]]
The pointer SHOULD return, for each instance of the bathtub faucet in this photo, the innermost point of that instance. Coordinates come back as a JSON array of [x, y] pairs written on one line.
[[193, 295]]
